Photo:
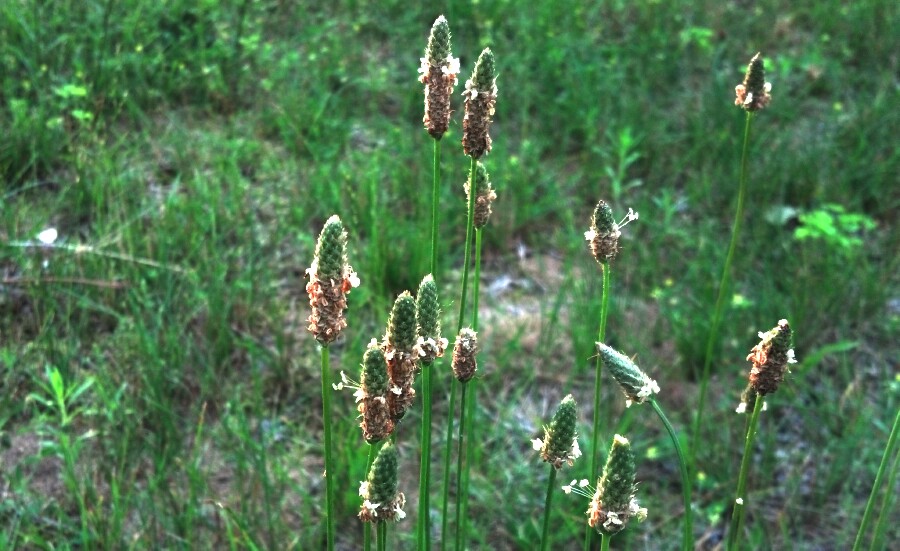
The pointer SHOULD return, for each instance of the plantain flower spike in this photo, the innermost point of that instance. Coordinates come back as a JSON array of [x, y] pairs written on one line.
[[753, 93], [438, 73], [464, 351], [430, 345], [372, 396], [399, 352], [330, 280], [605, 232], [560, 443], [638, 387], [770, 359], [381, 499], [480, 97], [613, 503], [484, 196]]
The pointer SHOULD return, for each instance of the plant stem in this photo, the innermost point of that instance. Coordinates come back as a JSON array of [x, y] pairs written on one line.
[[460, 463], [435, 197], [445, 507], [687, 541], [867, 515], [722, 291], [737, 515], [885, 514], [367, 528], [381, 536], [329, 466], [595, 436], [604, 542], [545, 540], [424, 531], [468, 251]]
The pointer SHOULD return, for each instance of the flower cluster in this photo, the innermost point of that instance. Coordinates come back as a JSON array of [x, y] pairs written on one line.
[[438, 73], [381, 499], [480, 97], [371, 395], [429, 345], [400, 355], [560, 443], [634, 382], [753, 93], [770, 358], [464, 362], [330, 280], [605, 232], [484, 196]]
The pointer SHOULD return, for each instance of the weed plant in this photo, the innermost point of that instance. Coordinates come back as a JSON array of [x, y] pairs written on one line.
[[157, 386]]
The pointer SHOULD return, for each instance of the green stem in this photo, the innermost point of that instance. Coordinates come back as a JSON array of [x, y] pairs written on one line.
[[545, 539], [595, 436], [722, 291], [367, 526], [435, 197], [425, 460], [687, 541], [445, 505], [381, 536], [737, 514], [329, 466], [460, 463], [468, 254], [604, 542], [885, 513], [476, 282], [867, 515]]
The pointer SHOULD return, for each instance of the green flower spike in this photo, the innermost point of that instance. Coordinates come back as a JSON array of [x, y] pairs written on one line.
[[605, 232], [484, 196], [402, 360], [634, 382], [753, 94], [438, 73], [560, 443], [330, 280], [613, 503], [481, 97], [381, 500], [430, 344], [372, 395]]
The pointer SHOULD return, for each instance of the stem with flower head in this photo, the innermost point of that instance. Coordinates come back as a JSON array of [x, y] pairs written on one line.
[[367, 530], [548, 501], [460, 463], [720, 297], [867, 514], [595, 436], [688, 536], [604, 541], [381, 536], [329, 466], [737, 514]]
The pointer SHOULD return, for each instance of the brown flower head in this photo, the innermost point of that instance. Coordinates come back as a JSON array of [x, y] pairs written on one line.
[[401, 355], [613, 503], [438, 73], [330, 280], [464, 351], [753, 93], [605, 232], [381, 499], [484, 196], [770, 359], [481, 97], [372, 396]]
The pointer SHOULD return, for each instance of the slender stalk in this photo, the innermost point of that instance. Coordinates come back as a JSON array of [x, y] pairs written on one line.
[[595, 435], [381, 536], [435, 197], [464, 503], [460, 463], [445, 505], [885, 513], [424, 530], [604, 542], [687, 541], [722, 291], [870, 504], [329, 465], [545, 540], [468, 251], [737, 514], [367, 528]]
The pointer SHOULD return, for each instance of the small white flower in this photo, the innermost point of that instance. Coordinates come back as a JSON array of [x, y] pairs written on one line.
[[537, 444], [452, 66], [48, 236], [742, 408], [739, 501], [372, 507], [576, 451], [360, 394], [353, 279], [749, 99], [590, 235], [400, 513], [364, 488], [767, 87], [338, 386], [396, 390], [790, 356]]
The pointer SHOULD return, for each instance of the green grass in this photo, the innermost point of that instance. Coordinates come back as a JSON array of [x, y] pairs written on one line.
[[214, 141]]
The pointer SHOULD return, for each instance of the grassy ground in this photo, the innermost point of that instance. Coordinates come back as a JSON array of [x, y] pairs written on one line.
[[159, 390]]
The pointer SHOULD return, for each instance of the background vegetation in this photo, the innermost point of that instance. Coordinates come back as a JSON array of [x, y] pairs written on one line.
[[159, 389]]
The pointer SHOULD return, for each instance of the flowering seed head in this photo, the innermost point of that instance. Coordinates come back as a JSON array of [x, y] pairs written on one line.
[[464, 351], [484, 196], [753, 93], [480, 97], [402, 325], [613, 504], [381, 499], [770, 359], [373, 406], [430, 344], [560, 444], [438, 72], [330, 280], [399, 351], [605, 232], [634, 382]]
